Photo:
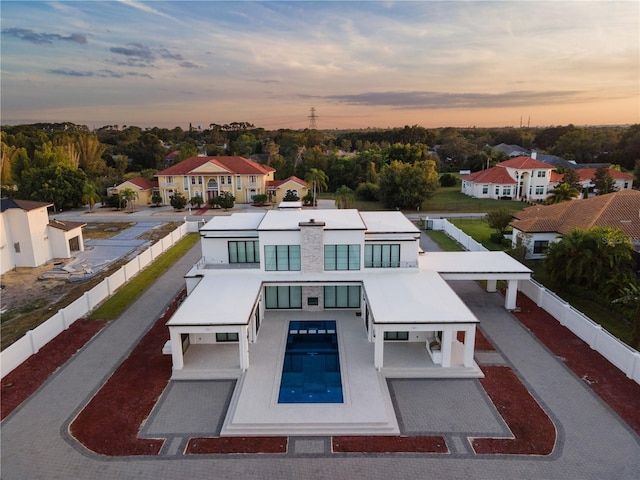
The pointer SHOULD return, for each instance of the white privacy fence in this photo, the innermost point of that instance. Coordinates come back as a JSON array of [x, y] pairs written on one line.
[[35, 339], [618, 353]]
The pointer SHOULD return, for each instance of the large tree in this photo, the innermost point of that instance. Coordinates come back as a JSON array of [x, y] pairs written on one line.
[[404, 185], [603, 181], [58, 184]]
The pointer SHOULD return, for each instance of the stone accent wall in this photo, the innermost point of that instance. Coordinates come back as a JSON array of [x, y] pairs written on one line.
[[313, 291], [312, 246]]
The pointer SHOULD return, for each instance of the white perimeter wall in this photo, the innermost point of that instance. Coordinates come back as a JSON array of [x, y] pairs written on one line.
[[618, 353], [35, 339]]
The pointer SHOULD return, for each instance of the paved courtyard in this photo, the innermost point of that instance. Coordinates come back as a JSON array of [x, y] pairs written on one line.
[[593, 443]]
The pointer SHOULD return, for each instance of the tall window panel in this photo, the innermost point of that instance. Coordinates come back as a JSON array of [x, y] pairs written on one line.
[[341, 296], [283, 297], [244, 252], [282, 257], [342, 257], [382, 255]]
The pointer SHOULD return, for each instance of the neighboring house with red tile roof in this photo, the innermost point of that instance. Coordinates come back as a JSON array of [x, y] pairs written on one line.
[[542, 224], [277, 189], [29, 239], [210, 176], [143, 187], [517, 178], [623, 181]]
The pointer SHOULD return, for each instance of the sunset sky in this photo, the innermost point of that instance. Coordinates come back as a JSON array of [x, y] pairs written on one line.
[[360, 64]]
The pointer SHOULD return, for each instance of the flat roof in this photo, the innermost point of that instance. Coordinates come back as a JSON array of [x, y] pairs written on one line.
[[471, 263], [290, 219], [221, 299], [402, 297], [414, 297], [235, 221], [388, 222]]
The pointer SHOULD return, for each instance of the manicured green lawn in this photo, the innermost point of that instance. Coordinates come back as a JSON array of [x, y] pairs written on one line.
[[446, 200], [118, 303], [444, 241], [477, 229], [451, 200]]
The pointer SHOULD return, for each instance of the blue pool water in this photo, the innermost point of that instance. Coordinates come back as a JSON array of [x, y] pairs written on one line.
[[311, 370]]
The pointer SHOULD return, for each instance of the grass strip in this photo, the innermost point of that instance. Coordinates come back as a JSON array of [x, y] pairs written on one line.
[[444, 241], [118, 303]]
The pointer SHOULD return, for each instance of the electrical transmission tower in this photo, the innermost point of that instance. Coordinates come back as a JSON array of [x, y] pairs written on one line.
[[312, 119]]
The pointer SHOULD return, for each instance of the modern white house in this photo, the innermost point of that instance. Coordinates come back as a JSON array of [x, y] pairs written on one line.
[[358, 281], [29, 239]]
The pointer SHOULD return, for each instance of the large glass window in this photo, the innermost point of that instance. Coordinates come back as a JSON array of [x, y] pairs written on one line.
[[382, 255], [282, 257], [283, 297], [342, 296], [342, 257], [244, 252]]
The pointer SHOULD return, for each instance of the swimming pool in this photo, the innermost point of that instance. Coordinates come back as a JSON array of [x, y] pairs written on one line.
[[311, 368]]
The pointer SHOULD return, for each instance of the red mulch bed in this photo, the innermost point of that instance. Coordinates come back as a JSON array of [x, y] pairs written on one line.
[[237, 445], [621, 393], [533, 430], [388, 444], [481, 342], [20, 383], [110, 422]]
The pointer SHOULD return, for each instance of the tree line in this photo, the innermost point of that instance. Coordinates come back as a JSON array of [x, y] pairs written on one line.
[[67, 164]]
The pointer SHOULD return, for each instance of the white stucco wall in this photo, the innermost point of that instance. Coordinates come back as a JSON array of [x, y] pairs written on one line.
[[7, 261]]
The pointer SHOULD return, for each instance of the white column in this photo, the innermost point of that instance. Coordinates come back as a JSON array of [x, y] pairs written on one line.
[[512, 293], [469, 345], [176, 349], [378, 351], [491, 286], [244, 348], [447, 339]]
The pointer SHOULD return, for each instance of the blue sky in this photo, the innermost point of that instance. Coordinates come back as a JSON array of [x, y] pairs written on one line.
[[360, 64]]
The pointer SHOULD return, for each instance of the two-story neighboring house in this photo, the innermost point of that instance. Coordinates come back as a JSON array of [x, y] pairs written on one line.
[[519, 178], [210, 176], [317, 307]]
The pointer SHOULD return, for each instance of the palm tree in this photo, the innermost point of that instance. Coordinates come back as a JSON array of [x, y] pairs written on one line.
[[90, 195], [344, 197], [562, 193], [130, 195], [318, 179]]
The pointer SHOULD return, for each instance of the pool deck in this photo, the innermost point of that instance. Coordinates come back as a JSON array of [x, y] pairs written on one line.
[[367, 407]]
